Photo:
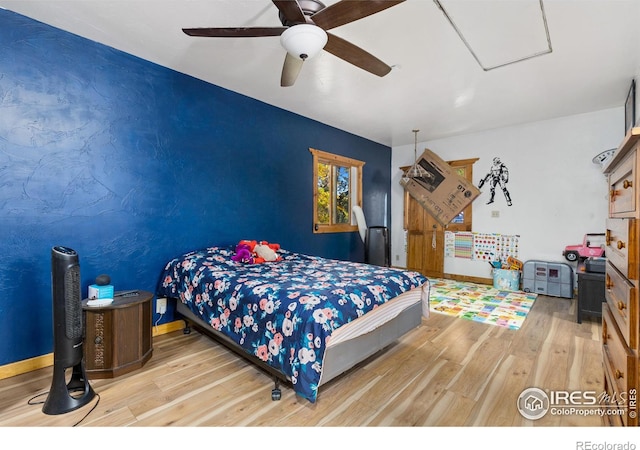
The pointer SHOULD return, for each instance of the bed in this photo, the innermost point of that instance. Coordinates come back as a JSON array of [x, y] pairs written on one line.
[[305, 319]]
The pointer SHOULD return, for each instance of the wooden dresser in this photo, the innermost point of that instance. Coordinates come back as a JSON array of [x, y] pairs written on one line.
[[620, 337]]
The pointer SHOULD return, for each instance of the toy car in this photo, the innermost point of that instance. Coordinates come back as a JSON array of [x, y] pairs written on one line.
[[593, 244]]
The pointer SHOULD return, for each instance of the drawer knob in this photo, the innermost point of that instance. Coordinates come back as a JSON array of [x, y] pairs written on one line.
[[620, 245], [609, 283], [621, 305], [612, 194], [619, 374], [607, 237], [627, 184]]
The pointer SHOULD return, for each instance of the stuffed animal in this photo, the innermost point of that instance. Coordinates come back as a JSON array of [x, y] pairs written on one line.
[[252, 252], [274, 247], [265, 252], [250, 244], [243, 254]]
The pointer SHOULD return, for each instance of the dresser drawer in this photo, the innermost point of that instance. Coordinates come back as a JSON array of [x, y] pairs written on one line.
[[622, 188], [619, 365], [614, 414], [622, 246], [621, 298]]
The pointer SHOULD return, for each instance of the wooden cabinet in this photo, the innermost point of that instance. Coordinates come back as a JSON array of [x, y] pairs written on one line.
[[118, 337], [620, 343]]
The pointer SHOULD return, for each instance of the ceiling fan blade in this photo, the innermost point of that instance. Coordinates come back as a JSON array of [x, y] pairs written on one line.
[[235, 32], [355, 55], [291, 10], [290, 70], [346, 11]]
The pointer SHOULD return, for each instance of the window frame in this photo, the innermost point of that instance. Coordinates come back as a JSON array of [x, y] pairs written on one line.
[[355, 166]]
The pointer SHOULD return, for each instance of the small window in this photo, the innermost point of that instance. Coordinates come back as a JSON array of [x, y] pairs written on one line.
[[337, 188]]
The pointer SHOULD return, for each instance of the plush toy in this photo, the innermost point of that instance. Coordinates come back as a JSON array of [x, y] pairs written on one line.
[[254, 252], [250, 244], [243, 254], [274, 247], [265, 252]]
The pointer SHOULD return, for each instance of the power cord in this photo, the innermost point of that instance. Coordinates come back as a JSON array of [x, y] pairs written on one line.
[[31, 402], [158, 321]]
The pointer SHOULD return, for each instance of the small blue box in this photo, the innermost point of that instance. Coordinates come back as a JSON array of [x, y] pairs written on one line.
[[506, 280], [96, 292]]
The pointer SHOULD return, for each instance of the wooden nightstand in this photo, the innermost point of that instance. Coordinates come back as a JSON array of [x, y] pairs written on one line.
[[118, 337]]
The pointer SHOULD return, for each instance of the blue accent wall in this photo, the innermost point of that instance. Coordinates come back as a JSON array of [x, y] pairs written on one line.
[[131, 164]]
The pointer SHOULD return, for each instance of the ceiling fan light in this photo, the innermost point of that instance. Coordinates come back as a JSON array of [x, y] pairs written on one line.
[[303, 41]]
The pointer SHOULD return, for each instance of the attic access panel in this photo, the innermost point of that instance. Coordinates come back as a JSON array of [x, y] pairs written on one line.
[[498, 32]]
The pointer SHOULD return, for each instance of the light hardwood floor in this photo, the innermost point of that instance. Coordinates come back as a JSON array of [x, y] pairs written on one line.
[[447, 372]]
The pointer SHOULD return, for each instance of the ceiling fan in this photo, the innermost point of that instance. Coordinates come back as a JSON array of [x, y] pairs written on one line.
[[303, 33]]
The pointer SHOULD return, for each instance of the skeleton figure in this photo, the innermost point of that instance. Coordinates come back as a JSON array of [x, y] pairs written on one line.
[[498, 175]]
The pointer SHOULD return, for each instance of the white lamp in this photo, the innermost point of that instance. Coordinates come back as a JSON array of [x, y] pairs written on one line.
[[303, 41]]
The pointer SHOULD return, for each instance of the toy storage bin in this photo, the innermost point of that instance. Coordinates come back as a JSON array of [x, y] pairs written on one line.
[[549, 278], [506, 280]]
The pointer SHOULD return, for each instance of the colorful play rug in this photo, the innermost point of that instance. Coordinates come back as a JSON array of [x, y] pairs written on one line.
[[480, 302]]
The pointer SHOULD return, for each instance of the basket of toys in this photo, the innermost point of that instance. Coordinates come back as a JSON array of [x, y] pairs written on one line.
[[506, 275]]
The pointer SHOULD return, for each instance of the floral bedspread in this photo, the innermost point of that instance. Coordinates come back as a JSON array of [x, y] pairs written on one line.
[[282, 312]]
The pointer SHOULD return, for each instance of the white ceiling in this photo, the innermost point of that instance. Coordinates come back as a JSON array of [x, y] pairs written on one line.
[[435, 86]]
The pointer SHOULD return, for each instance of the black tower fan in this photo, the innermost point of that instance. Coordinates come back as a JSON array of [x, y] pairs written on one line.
[[68, 335]]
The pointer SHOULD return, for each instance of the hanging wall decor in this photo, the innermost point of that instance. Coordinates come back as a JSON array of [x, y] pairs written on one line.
[[485, 247], [498, 176], [481, 246], [630, 108], [449, 244], [464, 245]]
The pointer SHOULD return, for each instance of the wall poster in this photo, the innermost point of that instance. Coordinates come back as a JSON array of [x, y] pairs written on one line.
[[481, 246]]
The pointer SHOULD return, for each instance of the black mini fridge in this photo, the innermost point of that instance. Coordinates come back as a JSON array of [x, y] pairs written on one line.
[[376, 246]]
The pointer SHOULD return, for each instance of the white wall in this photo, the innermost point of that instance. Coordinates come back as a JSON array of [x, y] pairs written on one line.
[[558, 193]]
